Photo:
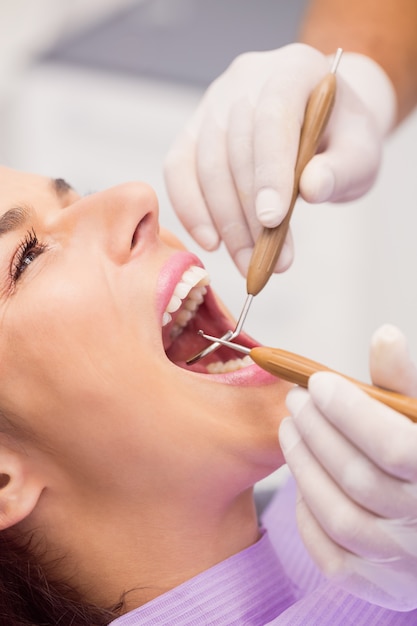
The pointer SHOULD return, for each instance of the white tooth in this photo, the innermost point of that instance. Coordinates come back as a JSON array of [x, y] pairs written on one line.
[[166, 318], [189, 277], [198, 293], [202, 274], [229, 366], [190, 289], [182, 290], [247, 360], [183, 317], [198, 297], [176, 330], [174, 304], [232, 365], [194, 275], [191, 305]]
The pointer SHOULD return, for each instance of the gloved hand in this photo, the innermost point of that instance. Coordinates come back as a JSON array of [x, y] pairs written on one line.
[[355, 464], [232, 168]]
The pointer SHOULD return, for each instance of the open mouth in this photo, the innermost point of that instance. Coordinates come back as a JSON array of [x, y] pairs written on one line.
[[192, 307]]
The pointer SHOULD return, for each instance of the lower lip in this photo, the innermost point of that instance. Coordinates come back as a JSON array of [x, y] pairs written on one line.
[[250, 376]]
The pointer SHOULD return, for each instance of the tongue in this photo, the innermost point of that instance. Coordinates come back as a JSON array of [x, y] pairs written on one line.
[[186, 344], [189, 342]]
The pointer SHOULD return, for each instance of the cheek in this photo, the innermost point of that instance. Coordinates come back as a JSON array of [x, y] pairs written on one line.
[[61, 338]]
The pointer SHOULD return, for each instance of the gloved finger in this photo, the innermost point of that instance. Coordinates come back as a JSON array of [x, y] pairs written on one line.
[[346, 523], [327, 554], [347, 166], [279, 116], [390, 583], [388, 438], [240, 138], [355, 474], [180, 165], [338, 175], [387, 577], [226, 197], [220, 193], [390, 362], [276, 138]]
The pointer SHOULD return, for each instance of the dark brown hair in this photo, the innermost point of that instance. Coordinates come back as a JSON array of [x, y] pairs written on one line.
[[28, 598]]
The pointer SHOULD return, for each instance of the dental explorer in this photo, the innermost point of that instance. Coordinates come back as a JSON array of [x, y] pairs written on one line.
[[271, 240], [298, 369]]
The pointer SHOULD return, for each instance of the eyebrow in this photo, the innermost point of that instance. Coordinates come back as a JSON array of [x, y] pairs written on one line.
[[16, 217], [60, 186], [13, 219]]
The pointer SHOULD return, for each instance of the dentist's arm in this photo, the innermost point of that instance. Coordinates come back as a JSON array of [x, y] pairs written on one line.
[[232, 167], [355, 464], [384, 31]]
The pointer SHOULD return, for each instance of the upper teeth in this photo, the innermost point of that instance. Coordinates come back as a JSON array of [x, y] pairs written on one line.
[[190, 290]]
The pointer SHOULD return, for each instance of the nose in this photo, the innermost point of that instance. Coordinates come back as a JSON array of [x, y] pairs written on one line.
[[122, 219]]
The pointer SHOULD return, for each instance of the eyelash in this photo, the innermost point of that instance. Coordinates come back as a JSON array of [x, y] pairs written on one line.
[[28, 247]]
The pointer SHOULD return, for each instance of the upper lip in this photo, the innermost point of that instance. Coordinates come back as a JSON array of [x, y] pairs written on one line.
[[170, 275]]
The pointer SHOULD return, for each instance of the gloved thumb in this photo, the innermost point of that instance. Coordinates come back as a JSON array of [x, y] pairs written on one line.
[[390, 363]]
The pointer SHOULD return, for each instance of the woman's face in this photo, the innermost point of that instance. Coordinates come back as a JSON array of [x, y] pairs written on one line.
[[87, 319]]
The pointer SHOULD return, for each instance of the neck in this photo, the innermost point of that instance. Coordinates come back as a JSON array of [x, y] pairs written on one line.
[[146, 550]]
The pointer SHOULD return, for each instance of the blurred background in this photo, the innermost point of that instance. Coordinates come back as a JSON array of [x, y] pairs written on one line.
[[96, 91]]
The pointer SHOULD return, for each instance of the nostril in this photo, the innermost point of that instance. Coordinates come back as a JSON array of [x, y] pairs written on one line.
[[135, 237], [139, 229]]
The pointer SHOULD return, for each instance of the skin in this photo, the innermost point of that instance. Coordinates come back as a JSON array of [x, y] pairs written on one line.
[[384, 31], [116, 457]]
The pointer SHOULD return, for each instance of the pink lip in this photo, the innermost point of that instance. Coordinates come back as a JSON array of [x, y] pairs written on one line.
[[170, 275], [249, 376]]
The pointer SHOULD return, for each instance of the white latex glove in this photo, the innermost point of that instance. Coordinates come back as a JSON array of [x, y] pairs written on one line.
[[232, 168], [355, 464]]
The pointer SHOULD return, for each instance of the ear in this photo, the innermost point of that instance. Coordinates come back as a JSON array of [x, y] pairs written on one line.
[[20, 489]]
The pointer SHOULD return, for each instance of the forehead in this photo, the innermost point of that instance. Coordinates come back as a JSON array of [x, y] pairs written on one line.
[[22, 188]]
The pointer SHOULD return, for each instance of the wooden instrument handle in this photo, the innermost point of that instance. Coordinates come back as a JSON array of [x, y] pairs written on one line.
[[298, 369], [269, 243]]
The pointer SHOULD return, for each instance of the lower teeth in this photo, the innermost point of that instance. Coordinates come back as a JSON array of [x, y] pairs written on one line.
[[230, 366]]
